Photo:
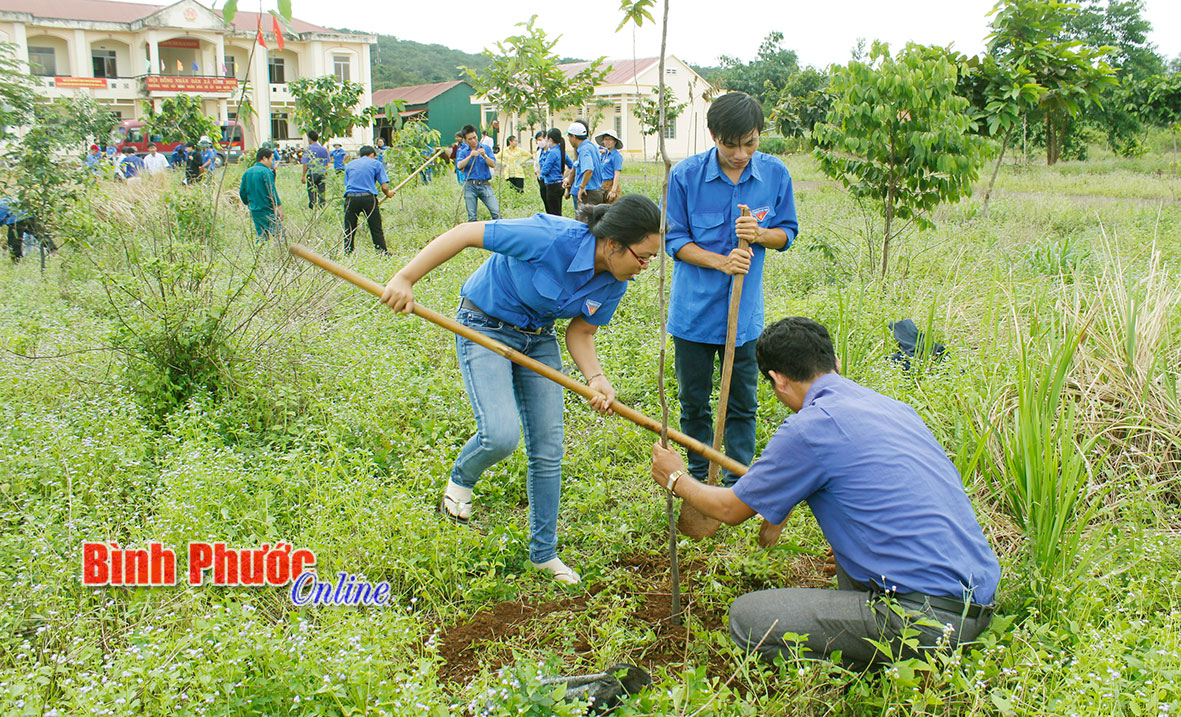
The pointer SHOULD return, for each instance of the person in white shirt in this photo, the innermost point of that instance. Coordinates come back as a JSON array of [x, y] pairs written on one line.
[[155, 162]]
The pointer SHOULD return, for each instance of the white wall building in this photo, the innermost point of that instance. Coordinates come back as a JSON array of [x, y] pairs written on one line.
[[627, 81], [123, 54]]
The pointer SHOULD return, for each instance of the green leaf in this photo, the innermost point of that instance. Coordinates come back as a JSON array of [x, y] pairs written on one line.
[[229, 10], [285, 9]]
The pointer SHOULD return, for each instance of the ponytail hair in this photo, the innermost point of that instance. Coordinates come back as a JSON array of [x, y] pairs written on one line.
[[628, 221], [556, 137]]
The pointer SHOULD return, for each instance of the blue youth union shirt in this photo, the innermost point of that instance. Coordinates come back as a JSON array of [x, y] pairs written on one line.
[[702, 207], [551, 165], [337, 158], [363, 174], [476, 169], [316, 158], [886, 496], [542, 268], [588, 158], [612, 162]]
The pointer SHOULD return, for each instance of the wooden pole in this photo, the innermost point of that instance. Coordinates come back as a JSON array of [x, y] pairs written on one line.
[[423, 166], [693, 522], [518, 358]]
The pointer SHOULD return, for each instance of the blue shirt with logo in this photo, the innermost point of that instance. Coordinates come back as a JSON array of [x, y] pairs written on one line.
[[209, 158], [702, 208], [363, 174], [551, 165], [316, 158], [587, 157], [477, 169], [884, 493], [542, 268], [338, 156], [131, 165], [612, 162]]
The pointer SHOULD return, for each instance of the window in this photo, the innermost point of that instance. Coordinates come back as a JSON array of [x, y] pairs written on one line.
[[277, 71], [670, 129], [340, 66], [279, 125], [104, 63], [670, 70], [619, 124], [43, 61], [231, 66]]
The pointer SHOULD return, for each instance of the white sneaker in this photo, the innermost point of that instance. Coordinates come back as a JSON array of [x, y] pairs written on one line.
[[559, 571]]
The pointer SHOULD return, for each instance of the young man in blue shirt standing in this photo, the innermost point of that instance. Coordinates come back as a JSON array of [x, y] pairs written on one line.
[[475, 162], [705, 195], [888, 500], [362, 176], [131, 166], [585, 181], [315, 166]]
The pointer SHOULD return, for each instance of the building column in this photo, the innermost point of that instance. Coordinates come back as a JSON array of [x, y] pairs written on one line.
[[79, 52], [223, 110], [219, 50], [20, 38], [154, 54], [364, 76], [315, 52], [261, 86]]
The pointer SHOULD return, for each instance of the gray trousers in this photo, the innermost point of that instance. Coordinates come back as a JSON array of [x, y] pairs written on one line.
[[843, 619]]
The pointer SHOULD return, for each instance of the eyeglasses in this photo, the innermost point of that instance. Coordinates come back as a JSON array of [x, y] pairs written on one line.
[[643, 262]]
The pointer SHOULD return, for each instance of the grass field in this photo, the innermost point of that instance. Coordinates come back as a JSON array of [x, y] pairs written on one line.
[[166, 380]]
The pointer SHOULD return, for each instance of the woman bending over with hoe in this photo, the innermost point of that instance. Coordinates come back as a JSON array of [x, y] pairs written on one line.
[[542, 268]]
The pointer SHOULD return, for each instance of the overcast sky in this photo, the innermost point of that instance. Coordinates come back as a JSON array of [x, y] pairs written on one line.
[[699, 31]]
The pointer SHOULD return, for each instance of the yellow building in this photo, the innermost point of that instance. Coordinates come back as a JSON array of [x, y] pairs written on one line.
[[122, 54]]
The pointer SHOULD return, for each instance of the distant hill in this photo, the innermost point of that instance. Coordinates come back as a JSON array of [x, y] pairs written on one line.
[[397, 63]]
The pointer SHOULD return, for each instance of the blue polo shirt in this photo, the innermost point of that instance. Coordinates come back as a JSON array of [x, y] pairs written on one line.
[[542, 268], [9, 213], [889, 501], [551, 165], [131, 165], [587, 158], [338, 156], [363, 175], [477, 169], [316, 158], [209, 157], [702, 207], [612, 162]]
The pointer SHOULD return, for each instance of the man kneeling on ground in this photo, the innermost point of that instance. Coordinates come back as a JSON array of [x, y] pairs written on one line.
[[887, 498]]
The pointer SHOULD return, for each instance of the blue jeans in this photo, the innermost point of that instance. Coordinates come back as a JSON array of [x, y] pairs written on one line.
[[694, 363], [471, 190], [504, 395]]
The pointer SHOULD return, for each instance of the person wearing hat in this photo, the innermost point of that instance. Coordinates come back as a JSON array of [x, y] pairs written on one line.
[[585, 180], [338, 157], [208, 155], [609, 146], [94, 159], [476, 162], [706, 193]]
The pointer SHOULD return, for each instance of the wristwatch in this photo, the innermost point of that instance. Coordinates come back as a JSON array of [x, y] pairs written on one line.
[[672, 481]]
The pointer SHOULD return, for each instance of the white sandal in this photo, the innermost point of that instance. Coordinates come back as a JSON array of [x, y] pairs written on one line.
[[559, 571], [457, 511]]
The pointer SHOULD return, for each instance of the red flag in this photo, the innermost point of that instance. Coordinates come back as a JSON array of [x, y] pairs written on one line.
[[278, 30], [261, 40]]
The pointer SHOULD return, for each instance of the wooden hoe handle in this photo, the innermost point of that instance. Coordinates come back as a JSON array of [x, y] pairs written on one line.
[[516, 357]]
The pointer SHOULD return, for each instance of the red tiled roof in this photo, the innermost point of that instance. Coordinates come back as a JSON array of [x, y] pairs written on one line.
[[412, 94], [621, 72], [110, 11], [98, 10]]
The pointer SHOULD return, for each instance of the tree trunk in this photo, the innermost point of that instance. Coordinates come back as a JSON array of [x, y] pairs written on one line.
[[1173, 130], [1051, 141], [995, 171], [890, 194]]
